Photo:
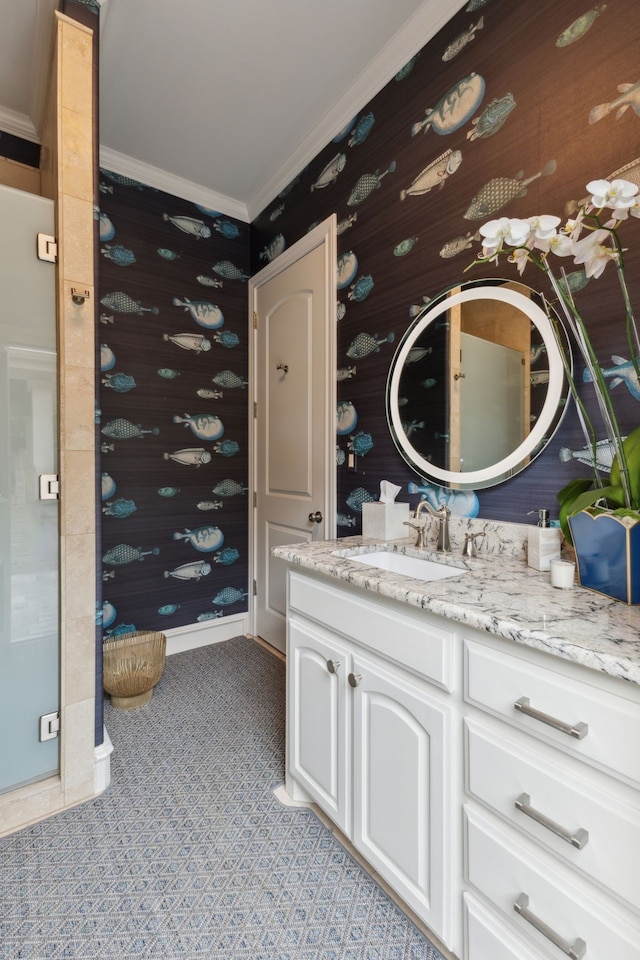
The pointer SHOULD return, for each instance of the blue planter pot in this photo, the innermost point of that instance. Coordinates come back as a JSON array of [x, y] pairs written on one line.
[[608, 554]]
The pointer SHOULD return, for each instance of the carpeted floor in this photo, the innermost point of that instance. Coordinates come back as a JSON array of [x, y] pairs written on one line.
[[188, 854]]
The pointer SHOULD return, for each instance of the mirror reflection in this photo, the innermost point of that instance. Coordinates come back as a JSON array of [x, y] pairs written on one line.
[[476, 388]]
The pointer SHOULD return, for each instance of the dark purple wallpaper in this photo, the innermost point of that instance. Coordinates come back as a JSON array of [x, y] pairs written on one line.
[[491, 118]]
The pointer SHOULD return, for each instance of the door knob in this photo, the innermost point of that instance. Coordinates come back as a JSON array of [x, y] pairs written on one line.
[[315, 517], [332, 666], [354, 679]]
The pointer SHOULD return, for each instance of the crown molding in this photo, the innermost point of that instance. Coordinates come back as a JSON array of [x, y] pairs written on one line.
[[18, 125], [169, 183], [416, 32]]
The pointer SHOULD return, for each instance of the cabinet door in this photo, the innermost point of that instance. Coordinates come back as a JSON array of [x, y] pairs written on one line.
[[319, 736], [401, 789]]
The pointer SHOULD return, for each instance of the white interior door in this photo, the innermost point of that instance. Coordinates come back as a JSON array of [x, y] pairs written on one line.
[[294, 424]]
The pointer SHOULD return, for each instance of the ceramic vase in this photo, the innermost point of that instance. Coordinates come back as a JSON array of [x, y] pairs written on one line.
[[608, 553]]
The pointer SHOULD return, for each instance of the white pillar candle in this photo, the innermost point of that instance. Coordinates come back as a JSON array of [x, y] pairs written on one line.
[[562, 574]]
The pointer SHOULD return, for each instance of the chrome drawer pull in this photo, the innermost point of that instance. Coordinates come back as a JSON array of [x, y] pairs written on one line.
[[577, 839], [574, 950], [332, 666], [577, 730]]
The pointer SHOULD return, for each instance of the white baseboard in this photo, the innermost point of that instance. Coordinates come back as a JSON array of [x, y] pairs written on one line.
[[102, 764], [202, 634]]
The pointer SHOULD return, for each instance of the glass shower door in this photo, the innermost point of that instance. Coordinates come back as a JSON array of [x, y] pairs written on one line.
[[29, 528]]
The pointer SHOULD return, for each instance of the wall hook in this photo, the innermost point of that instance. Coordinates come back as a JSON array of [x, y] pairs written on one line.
[[284, 367], [79, 296]]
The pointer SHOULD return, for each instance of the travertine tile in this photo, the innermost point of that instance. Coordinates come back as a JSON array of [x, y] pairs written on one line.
[[76, 141], [77, 346], [76, 70], [77, 755], [77, 408], [76, 234], [78, 493], [79, 659], [78, 580]]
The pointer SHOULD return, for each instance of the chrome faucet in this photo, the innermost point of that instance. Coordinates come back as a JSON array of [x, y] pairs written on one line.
[[442, 513]]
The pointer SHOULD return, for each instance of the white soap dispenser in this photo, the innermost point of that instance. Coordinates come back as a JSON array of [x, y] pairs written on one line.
[[543, 542]]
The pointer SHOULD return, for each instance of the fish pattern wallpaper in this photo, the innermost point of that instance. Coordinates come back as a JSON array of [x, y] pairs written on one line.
[[510, 110], [173, 409]]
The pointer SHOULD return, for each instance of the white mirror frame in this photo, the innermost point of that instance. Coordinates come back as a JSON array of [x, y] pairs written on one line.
[[512, 464]]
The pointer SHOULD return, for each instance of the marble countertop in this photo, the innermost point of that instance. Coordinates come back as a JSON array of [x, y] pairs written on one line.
[[498, 594]]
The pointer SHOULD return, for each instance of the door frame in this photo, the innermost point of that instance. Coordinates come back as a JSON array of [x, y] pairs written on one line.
[[324, 234]]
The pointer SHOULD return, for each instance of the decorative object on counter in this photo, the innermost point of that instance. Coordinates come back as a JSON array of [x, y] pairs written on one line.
[[563, 574], [384, 519], [608, 553], [591, 239], [132, 666], [543, 542]]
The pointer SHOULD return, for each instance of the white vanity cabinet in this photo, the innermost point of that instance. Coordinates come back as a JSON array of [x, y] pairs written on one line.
[[552, 807], [368, 735]]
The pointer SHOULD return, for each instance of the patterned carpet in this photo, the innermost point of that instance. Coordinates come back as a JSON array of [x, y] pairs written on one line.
[[188, 854]]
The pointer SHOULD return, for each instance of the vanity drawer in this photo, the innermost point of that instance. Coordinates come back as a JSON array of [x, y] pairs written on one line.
[[598, 726], [508, 869], [601, 829], [408, 638], [487, 938]]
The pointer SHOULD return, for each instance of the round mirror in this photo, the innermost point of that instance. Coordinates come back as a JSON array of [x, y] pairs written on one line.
[[477, 386]]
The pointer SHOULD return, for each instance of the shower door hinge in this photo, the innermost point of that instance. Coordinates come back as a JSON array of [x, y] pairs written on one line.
[[49, 486], [49, 726], [255, 588], [47, 248]]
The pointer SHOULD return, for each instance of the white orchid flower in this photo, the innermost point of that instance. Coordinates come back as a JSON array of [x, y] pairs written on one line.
[[561, 245], [617, 194], [591, 252], [544, 227], [520, 257]]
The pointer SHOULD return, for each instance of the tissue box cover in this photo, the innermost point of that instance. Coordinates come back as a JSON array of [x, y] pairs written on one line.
[[384, 521]]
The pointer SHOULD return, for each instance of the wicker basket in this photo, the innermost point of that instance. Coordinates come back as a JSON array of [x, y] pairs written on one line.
[[132, 665]]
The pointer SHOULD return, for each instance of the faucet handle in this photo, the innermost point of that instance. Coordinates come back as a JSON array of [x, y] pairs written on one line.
[[469, 549], [420, 528]]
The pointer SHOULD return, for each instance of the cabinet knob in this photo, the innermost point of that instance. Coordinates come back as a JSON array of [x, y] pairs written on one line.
[[332, 666], [354, 679]]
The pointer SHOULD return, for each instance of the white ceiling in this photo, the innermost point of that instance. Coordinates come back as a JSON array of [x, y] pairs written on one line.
[[221, 101]]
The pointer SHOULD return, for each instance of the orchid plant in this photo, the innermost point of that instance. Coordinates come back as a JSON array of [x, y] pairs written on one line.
[[591, 239]]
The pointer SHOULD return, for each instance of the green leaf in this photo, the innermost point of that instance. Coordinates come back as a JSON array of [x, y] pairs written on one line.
[[573, 489]]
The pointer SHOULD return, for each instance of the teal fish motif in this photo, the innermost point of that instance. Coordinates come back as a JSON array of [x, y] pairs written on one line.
[[404, 247], [106, 230], [119, 255], [229, 595], [208, 281], [206, 394], [346, 417], [206, 314], [168, 609], [121, 509], [167, 254], [227, 556], [190, 571], [461, 41], [458, 245], [344, 520], [347, 269], [359, 496], [203, 617], [361, 443], [492, 117], [580, 26], [604, 454], [122, 303], [227, 229], [404, 72], [274, 248], [229, 488], [496, 194], [622, 371], [120, 382], [204, 539], [107, 358], [435, 174], [188, 341], [330, 172], [121, 179], [367, 183], [361, 130], [191, 225], [365, 343], [453, 110], [361, 289], [121, 429], [205, 426], [227, 339], [209, 504], [109, 614], [345, 373], [229, 380], [108, 486], [167, 373], [123, 553], [168, 491], [228, 448], [189, 456], [228, 270], [629, 97]]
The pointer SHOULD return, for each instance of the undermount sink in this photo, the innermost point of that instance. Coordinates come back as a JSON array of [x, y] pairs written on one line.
[[416, 567]]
